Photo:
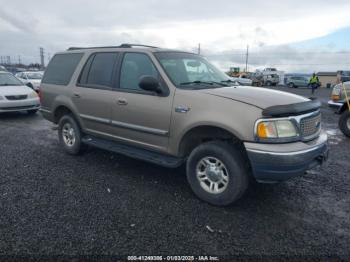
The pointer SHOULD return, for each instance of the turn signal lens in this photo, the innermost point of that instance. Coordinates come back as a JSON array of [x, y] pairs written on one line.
[[262, 130], [267, 130], [335, 97]]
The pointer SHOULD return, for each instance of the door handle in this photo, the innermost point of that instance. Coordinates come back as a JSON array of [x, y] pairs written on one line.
[[122, 101], [77, 95]]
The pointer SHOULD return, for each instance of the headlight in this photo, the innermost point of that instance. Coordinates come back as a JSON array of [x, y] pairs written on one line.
[[275, 130], [33, 95]]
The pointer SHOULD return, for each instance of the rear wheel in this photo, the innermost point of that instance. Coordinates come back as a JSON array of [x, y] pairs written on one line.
[[69, 135], [291, 85], [217, 173], [344, 123]]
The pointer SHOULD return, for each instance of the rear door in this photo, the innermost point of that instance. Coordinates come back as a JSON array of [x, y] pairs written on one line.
[[93, 95], [140, 117]]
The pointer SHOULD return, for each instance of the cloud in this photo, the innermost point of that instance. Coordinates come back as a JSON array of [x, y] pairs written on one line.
[[17, 21], [220, 26]]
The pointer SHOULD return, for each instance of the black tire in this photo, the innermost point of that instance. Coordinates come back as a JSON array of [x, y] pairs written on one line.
[[77, 147], [344, 123], [233, 161], [32, 112], [291, 85], [269, 83]]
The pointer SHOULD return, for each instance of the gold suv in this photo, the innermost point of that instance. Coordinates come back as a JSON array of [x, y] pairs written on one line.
[[171, 108]]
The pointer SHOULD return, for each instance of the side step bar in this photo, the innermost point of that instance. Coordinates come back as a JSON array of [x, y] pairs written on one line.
[[138, 153]]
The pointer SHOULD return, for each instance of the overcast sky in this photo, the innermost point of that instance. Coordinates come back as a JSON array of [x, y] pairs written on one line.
[[292, 35]]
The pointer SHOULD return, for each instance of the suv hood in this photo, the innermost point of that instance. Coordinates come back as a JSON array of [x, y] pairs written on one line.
[[256, 96]]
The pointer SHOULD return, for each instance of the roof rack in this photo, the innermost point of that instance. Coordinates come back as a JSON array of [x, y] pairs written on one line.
[[137, 45], [120, 46]]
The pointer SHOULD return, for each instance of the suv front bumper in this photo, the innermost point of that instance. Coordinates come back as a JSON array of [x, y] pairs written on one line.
[[273, 163]]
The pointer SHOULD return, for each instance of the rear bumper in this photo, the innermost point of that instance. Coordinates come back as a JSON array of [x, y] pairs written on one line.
[[273, 163]]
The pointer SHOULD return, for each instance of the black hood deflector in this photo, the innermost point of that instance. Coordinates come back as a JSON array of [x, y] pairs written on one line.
[[292, 109]]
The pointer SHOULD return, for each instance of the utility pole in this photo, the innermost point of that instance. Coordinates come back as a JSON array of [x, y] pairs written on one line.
[[19, 59], [9, 60], [42, 57], [246, 59], [199, 48]]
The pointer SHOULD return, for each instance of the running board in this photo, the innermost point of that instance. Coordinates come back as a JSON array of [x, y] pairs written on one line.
[[138, 153]]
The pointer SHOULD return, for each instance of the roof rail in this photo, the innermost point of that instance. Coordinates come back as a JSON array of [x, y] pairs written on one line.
[[120, 46], [136, 45], [92, 47]]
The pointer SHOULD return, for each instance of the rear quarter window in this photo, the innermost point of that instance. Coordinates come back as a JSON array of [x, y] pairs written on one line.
[[61, 68]]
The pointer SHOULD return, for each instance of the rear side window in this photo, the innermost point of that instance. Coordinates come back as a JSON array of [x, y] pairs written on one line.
[[61, 68], [98, 70]]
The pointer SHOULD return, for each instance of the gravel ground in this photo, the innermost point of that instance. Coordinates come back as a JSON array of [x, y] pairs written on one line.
[[103, 203]]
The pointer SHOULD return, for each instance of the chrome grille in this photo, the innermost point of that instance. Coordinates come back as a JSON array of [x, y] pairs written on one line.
[[310, 126], [17, 97]]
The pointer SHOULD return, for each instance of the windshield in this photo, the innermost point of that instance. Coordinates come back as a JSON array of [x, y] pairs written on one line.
[[9, 80], [185, 69], [35, 75]]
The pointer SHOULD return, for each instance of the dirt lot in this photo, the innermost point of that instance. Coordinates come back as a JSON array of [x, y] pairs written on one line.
[[104, 203]]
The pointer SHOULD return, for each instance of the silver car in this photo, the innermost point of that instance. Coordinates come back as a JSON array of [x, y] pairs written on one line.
[[31, 79], [15, 96]]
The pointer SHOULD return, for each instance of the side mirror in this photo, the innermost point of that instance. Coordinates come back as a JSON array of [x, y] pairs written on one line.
[[150, 83]]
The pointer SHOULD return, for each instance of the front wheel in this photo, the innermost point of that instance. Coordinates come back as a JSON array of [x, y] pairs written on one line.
[[69, 135], [344, 123], [217, 173]]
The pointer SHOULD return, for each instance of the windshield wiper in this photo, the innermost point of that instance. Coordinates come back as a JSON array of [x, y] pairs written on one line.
[[196, 82], [202, 82], [228, 81]]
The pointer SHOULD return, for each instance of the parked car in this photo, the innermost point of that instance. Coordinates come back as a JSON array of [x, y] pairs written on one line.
[[340, 104], [262, 79], [271, 80], [343, 76], [172, 108], [242, 81], [297, 81], [31, 79], [15, 96]]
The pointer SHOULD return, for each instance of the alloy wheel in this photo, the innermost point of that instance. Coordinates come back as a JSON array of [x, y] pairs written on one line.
[[212, 175]]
